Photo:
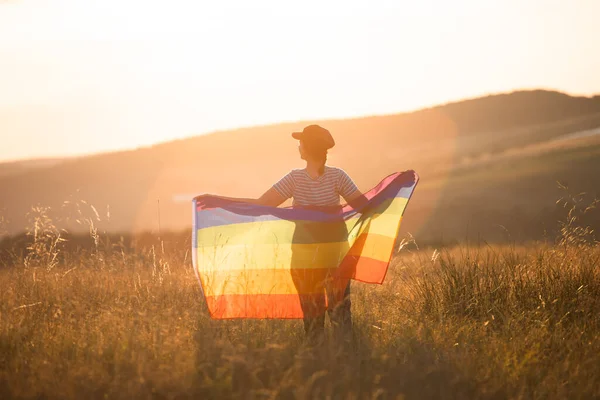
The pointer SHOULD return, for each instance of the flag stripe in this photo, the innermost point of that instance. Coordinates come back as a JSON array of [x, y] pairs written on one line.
[[364, 269], [267, 281], [298, 280], [284, 231], [290, 256], [262, 306]]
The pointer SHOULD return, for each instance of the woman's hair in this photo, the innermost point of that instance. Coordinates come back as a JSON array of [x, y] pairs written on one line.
[[317, 154]]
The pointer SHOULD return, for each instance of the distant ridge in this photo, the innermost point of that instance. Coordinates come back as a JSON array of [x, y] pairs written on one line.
[[13, 167]]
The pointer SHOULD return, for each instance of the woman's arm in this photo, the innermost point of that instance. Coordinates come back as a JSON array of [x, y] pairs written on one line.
[[349, 191], [270, 198], [356, 199]]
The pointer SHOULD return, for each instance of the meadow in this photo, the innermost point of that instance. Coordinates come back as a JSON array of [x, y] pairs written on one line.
[[112, 318]]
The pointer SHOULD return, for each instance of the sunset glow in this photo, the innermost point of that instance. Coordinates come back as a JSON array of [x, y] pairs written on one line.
[[80, 77]]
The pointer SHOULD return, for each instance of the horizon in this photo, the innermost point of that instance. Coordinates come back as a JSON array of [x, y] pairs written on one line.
[[96, 82], [270, 124]]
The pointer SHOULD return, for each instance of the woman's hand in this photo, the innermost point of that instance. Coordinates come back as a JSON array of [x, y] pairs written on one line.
[[205, 200]]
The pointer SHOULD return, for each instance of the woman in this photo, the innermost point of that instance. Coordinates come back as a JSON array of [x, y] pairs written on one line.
[[317, 185]]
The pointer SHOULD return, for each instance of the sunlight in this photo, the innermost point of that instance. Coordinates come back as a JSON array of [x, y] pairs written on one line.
[[139, 73]]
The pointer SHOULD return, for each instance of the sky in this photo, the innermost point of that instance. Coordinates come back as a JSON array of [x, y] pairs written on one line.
[[83, 76]]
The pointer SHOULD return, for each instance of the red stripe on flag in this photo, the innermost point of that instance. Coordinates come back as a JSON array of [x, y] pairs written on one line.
[[363, 269], [265, 306]]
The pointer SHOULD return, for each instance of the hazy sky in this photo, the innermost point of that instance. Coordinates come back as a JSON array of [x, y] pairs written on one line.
[[85, 76]]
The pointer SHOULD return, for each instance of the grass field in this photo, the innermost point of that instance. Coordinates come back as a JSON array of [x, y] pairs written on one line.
[[464, 322]]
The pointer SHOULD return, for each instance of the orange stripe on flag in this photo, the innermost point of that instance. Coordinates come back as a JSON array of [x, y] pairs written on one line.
[[266, 281]]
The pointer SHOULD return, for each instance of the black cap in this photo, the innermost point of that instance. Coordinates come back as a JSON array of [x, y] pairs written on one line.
[[315, 135]]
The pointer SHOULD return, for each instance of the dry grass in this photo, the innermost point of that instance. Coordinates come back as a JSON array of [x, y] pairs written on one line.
[[467, 322]]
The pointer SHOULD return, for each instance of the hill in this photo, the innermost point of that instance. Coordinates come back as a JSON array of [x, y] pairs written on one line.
[[470, 155], [19, 167]]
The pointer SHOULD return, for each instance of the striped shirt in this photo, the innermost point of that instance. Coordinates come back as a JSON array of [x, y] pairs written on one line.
[[322, 191]]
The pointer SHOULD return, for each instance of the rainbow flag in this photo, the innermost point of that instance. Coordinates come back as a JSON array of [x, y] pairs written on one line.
[[256, 261]]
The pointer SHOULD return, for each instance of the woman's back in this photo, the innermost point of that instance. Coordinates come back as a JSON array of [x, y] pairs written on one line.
[[324, 190]]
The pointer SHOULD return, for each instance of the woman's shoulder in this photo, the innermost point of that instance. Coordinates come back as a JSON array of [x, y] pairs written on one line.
[[335, 170], [295, 173]]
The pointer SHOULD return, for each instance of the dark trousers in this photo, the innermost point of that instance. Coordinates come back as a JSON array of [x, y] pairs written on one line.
[[340, 315]]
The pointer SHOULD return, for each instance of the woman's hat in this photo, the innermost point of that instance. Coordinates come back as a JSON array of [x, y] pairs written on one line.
[[315, 135]]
